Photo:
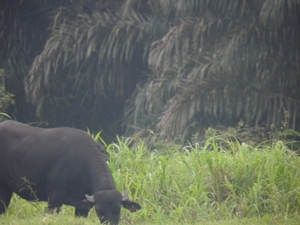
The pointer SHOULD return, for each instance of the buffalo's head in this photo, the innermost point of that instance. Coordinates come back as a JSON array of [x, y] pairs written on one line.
[[108, 205]]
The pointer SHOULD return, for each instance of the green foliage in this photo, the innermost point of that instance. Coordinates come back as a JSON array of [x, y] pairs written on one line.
[[253, 136], [87, 69], [6, 99], [218, 63], [205, 183], [97, 137], [22, 33], [198, 185], [172, 66]]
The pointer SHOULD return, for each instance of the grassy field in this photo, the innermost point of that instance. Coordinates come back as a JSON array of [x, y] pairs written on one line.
[[217, 183]]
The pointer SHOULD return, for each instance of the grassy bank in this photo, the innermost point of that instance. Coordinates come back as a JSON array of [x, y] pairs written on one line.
[[228, 183]]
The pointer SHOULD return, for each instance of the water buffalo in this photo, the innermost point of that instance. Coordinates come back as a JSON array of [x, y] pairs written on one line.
[[60, 166]]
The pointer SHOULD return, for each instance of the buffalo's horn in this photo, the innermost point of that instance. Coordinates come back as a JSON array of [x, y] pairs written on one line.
[[90, 198], [125, 194]]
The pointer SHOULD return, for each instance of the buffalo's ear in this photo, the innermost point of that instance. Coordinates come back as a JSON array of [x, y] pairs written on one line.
[[130, 205]]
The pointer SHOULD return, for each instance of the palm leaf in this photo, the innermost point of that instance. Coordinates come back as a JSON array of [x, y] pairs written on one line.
[[228, 65]]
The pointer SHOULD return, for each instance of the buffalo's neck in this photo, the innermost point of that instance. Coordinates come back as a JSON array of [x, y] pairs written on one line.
[[100, 174]]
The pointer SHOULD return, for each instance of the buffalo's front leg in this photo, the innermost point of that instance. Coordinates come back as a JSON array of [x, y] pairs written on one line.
[[55, 201], [81, 209], [79, 212]]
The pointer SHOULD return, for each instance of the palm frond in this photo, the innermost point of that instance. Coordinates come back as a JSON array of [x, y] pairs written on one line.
[[222, 66], [88, 51]]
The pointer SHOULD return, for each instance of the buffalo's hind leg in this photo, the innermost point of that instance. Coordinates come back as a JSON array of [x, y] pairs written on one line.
[[5, 196]]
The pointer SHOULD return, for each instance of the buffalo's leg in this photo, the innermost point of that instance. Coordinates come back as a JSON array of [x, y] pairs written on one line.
[[55, 201], [5, 196], [80, 212], [81, 208]]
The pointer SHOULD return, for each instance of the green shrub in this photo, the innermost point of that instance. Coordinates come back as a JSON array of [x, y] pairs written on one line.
[[6, 99]]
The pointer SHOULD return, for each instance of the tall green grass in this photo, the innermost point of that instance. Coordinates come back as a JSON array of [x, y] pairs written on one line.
[[204, 183], [197, 184]]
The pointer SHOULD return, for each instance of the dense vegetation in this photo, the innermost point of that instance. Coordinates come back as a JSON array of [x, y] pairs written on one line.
[[208, 184], [172, 66], [166, 70], [6, 99]]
